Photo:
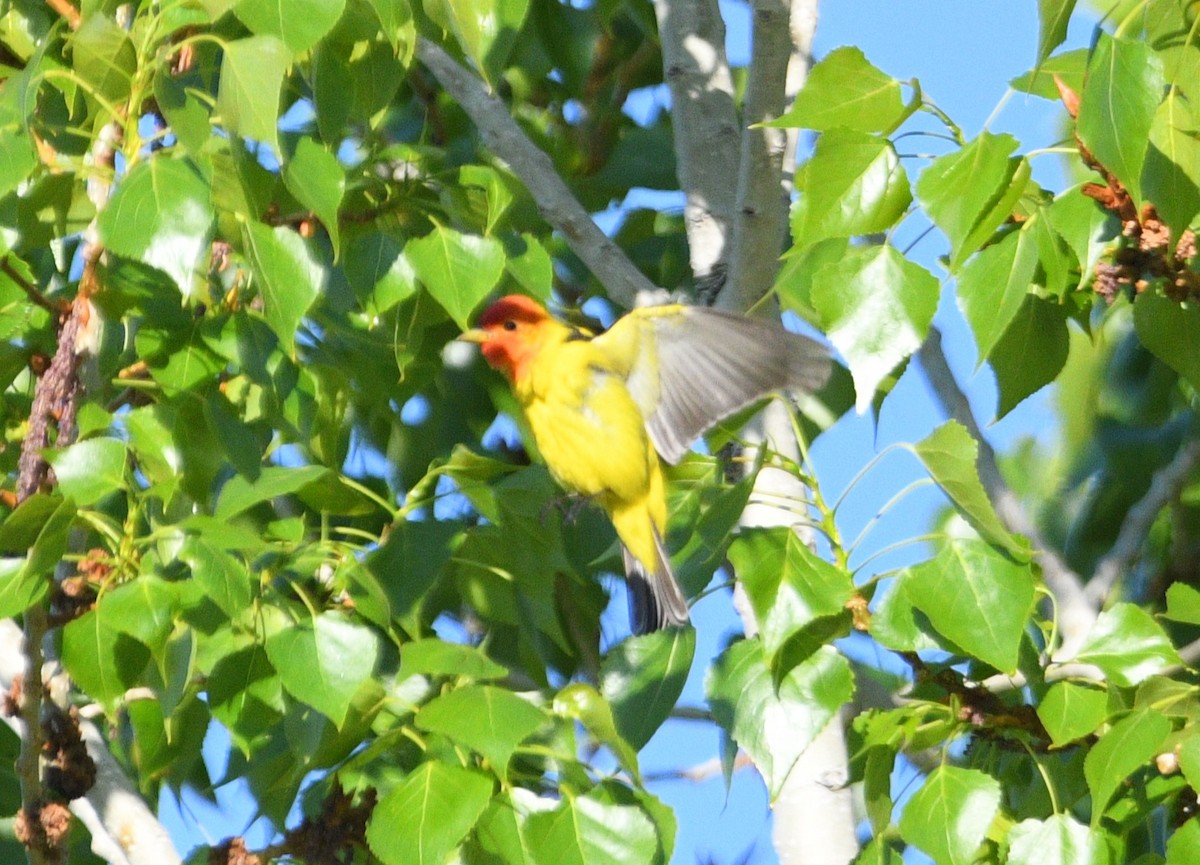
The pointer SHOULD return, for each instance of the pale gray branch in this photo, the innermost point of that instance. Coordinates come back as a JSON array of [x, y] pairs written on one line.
[[1127, 549], [705, 124], [622, 280], [760, 218], [1076, 612]]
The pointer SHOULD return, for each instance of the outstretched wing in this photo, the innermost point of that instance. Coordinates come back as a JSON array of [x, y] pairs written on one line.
[[689, 367]]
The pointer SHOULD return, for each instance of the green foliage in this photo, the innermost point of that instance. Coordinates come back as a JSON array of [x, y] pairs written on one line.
[[295, 531]]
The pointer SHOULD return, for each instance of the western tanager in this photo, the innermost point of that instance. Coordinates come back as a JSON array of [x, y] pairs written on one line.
[[601, 406]]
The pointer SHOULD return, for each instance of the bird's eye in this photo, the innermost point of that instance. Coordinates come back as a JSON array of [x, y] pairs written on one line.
[[510, 325]]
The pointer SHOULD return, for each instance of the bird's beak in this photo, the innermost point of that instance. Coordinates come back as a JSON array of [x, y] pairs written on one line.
[[475, 334]]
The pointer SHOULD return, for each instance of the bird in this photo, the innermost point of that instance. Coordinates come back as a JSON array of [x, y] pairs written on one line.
[[606, 410]]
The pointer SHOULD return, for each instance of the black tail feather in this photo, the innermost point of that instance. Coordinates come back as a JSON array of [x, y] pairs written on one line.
[[655, 599]]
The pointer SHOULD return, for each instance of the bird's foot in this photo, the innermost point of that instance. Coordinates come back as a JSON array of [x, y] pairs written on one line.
[[568, 505]]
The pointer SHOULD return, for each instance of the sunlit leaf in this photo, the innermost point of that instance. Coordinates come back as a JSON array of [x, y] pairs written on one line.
[[252, 71], [642, 678], [161, 214], [317, 179], [1057, 840], [457, 269], [876, 307], [299, 24], [950, 815], [1129, 744], [1070, 711], [1120, 97], [288, 276], [486, 719], [1128, 645], [776, 724], [845, 91], [423, 818]]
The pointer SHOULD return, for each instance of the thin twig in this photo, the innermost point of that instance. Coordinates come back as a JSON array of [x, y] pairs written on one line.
[[607, 261], [31, 291], [69, 13], [1127, 549]]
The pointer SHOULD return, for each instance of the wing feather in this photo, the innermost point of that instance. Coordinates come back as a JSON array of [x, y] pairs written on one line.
[[687, 368]]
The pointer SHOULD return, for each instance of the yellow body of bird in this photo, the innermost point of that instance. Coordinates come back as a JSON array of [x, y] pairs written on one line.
[[603, 409]]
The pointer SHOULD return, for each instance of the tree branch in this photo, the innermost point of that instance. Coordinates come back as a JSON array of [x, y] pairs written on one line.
[[760, 217], [1127, 549], [1076, 611], [705, 124], [123, 828], [607, 261]]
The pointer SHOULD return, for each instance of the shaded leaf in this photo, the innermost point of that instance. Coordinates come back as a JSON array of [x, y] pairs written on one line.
[[642, 678], [1053, 18], [1170, 330]]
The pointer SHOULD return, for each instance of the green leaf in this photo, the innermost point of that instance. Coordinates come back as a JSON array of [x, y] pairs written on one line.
[[876, 307], [245, 695], [950, 455], [502, 831], [1058, 840], [584, 704], [20, 588], [896, 623], [776, 724], [224, 579], [977, 598], [845, 91], [854, 184], [484, 718], [583, 830], [424, 818], [381, 274], [409, 563], [950, 815], [184, 112], [102, 660], [104, 57], [317, 179], [1183, 603], [299, 24], [17, 159], [1053, 18], [161, 214], [1121, 94], [1126, 747], [1070, 711], [239, 493], [143, 608], [40, 525], [789, 586], [89, 470], [288, 276], [459, 270], [439, 658], [1031, 352], [642, 678], [969, 193], [487, 30], [993, 285], [1128, 645], [252, 72], [1171, 174], [323, 661], [1170, 330], [1183, 847]]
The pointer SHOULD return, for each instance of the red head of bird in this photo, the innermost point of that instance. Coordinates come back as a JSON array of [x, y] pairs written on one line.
[[510, 332]]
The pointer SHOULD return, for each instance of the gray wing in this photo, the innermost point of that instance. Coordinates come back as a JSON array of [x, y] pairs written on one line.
[[707, 364]]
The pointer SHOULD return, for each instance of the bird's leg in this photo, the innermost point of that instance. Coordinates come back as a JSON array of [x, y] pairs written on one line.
[[569, 506]]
